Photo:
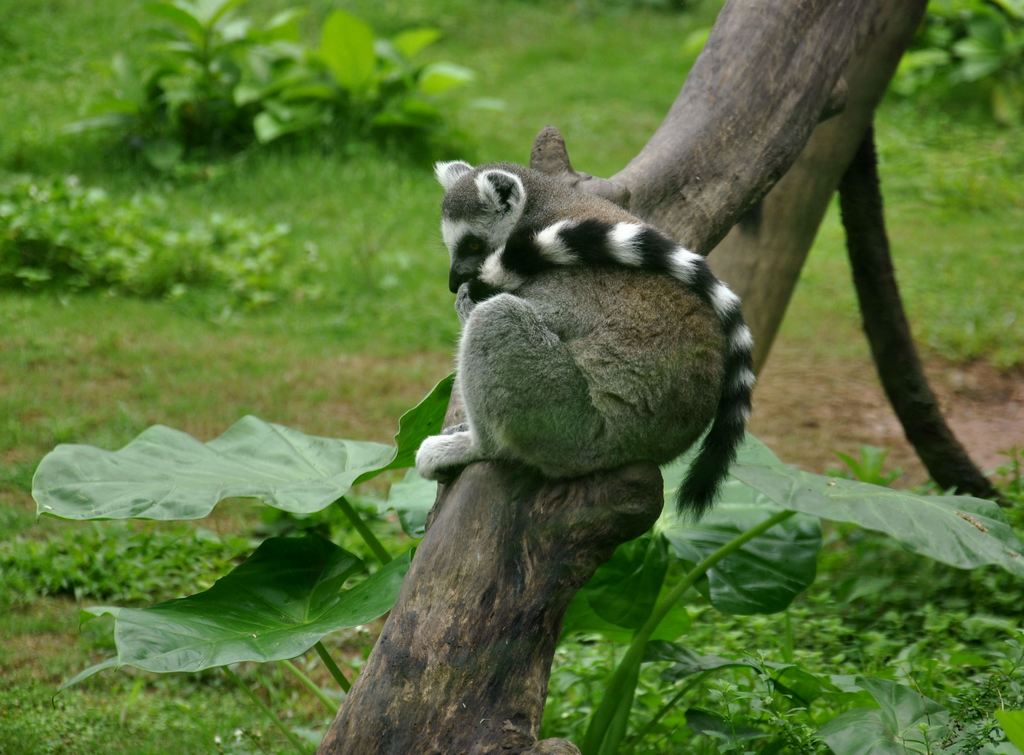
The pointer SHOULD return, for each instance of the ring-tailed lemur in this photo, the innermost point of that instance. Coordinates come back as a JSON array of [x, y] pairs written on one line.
[[504, 225]]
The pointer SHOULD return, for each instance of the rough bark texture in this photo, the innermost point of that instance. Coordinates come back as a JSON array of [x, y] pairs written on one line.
[[767, 73], [888, 332], [762, 256], [463, 662]]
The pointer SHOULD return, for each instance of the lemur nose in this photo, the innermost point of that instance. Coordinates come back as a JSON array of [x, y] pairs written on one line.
[[456, 279], [460, 272]]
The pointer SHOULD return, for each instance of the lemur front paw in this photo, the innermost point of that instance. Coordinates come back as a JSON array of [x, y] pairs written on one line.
[[464, 303], [440, 457]]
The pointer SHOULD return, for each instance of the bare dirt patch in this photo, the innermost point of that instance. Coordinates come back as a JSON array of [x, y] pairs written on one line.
[[808, 405]]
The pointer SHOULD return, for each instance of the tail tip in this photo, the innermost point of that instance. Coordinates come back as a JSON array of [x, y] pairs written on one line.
[[696, 498]]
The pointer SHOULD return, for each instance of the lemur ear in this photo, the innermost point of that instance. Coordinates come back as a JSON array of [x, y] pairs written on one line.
[[449, 172], [500, 191]]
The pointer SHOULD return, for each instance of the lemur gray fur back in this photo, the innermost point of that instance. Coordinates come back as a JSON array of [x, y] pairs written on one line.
[[591, 368]]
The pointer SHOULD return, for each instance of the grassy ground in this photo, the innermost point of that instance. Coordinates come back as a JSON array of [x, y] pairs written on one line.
[[98, 369]]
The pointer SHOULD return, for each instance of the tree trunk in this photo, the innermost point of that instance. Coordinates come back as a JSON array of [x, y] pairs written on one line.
[[762, 256], [464, 658], [463, 661]]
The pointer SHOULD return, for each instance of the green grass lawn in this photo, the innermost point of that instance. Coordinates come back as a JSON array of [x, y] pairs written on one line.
[[98, 369]]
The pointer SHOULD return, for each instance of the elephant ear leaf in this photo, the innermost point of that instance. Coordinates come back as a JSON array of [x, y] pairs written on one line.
[[424, 419], [897, 725], [765, 574], [960, 531], [762, 576], [167, 474], [277, 604]]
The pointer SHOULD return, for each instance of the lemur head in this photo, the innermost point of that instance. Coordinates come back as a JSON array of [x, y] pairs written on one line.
[[481, 207]]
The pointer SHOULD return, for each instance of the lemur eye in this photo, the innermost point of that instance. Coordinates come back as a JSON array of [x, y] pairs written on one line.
[[470, 246]]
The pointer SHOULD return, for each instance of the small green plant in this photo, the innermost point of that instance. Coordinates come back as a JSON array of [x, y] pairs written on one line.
[[1010, 476], [355, 84], [969, 45], [216, 80], [973, 726], [60, 234], [868, 466]]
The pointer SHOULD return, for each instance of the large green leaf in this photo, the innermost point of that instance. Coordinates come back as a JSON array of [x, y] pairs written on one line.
[[276, 605], [893, 728], [412, 498], [1012, 722], [619, 598], [412, 42], [957, 530], [439, 78], [346, 47], [624, 589], [168, 474], [424, 419], [765, 574]]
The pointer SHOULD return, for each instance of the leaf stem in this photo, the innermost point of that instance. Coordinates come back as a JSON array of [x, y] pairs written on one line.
[[311, 686], [664, 709], [622, 685], [787, 638], [339, 677], [364, 532], [266, 709]]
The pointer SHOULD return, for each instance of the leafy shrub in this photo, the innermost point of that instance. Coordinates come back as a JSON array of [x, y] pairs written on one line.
[[979, 43], [112, 561], [59, 233], [214, 79]]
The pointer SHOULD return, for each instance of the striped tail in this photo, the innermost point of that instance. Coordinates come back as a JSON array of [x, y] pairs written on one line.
[[718, 450], [594, 243]]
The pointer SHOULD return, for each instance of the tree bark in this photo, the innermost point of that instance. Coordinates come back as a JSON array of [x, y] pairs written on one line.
[[463, 661], [464, 658], [762, 256], [766, 74], [888, 332]]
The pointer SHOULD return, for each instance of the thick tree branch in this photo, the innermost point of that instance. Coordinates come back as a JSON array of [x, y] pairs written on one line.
[[761, 258], [463, 661], [767, 73]]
